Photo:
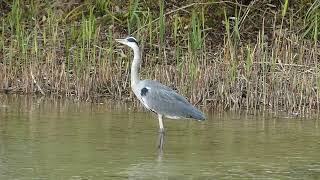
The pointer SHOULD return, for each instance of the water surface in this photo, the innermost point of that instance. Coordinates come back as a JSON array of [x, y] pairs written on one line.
[[52, 139]]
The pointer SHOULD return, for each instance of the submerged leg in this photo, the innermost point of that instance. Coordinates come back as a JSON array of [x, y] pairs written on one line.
[[161, 141], [161, 135], [160, 123]]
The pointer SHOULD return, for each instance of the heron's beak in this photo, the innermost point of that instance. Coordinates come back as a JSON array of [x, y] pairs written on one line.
[[122, 41]]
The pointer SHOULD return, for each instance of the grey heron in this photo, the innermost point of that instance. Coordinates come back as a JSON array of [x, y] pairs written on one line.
[[157, 97]]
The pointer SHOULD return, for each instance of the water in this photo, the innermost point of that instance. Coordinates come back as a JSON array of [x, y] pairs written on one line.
[[48, 139]]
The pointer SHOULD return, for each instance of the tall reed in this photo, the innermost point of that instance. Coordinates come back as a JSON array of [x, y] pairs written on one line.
[[221, 60]]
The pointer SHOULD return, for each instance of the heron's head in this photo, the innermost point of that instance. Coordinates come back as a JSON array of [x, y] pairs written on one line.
[[129, 41]]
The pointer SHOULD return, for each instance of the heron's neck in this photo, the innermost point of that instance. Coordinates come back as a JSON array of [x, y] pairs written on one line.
[[135, 67]]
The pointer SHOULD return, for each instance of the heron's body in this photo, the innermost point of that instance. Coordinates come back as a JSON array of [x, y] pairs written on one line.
[[164, 101], [156, 97]]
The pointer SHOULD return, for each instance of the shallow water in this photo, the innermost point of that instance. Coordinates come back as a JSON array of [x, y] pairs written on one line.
[[45, 139]]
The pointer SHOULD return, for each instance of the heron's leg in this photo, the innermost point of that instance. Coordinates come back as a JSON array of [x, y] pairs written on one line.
[[160, 123], [161, 135], [161, 141]]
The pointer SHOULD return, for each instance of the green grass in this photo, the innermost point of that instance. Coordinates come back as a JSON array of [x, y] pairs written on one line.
[[161, 23], [262, 58]]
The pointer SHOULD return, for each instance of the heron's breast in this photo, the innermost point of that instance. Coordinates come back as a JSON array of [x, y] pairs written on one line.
[[172, 117]]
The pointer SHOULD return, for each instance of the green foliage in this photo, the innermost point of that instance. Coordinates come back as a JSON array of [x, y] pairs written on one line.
[[312, 21], [161, 23], [284, 8], [133, 16], [197, 37], [102, 6], [15, 17], [207, 55]]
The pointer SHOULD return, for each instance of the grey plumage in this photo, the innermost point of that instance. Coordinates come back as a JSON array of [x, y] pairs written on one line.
[[163, 100], [156, 97]]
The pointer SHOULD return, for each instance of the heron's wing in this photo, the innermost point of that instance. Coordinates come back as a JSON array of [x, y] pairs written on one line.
[[163, 100]]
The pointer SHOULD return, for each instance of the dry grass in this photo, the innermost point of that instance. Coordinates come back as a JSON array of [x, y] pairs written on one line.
[[253, 61]]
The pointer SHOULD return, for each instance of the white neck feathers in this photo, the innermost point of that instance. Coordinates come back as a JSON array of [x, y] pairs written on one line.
[[135, 67]]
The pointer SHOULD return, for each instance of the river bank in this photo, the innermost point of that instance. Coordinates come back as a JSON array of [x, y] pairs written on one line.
[[257, 55]]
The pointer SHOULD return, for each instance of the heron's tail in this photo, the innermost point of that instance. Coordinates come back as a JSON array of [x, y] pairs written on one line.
[[197, 115]]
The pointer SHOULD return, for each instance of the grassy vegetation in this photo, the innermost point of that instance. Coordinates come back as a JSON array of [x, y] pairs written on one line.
[[220, 54]]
